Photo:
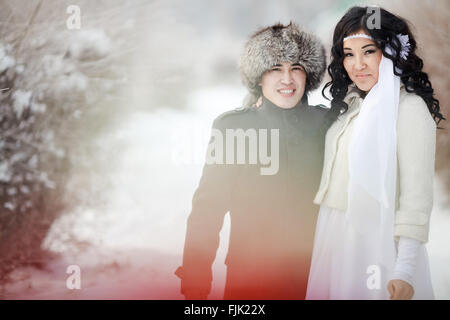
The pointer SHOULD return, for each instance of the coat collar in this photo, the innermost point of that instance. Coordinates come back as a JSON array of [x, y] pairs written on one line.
[[268, 106], [353, 92], [355, 97]]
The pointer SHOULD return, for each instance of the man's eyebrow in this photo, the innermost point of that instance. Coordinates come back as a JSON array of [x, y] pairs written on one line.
[[293, 65]]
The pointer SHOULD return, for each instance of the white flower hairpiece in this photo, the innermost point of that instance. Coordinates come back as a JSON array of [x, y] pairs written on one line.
[[404, 50], [404, 41], [405, 46]]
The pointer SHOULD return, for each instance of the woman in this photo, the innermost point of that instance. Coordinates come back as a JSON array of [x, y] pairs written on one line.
[[377, 181]]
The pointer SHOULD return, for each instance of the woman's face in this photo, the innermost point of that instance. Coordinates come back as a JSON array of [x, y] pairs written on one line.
[[361, 61]]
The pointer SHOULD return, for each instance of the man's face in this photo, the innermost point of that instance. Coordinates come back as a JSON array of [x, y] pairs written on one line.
[[284, 84]]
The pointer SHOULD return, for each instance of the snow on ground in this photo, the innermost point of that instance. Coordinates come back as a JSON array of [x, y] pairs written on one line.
[[137, 239]]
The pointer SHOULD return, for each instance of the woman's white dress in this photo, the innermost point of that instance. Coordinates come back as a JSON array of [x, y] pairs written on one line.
[[344, 266]]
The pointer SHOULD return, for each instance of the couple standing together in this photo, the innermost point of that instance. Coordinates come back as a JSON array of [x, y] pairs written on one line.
[[368, 161]]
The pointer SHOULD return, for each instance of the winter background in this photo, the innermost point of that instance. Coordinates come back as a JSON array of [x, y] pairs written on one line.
[[104, 129]]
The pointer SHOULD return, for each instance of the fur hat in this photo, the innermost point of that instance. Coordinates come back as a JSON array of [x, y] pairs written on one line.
[[274, 45]]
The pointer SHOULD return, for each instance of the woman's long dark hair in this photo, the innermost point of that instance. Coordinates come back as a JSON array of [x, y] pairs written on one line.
[[412, 76]]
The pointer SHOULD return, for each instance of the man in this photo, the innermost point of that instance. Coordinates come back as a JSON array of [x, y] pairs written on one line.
[[270, 199]]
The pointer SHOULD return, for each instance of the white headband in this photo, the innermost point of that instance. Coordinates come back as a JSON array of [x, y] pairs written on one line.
[[358, 35]]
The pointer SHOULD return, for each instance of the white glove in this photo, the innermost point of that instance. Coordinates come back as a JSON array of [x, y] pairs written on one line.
[[405, 266]]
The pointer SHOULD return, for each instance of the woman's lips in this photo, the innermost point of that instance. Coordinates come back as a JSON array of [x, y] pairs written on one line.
[[287, 93], [361, 76]]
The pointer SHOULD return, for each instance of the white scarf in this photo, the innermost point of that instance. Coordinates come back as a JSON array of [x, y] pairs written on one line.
[[373, 166]]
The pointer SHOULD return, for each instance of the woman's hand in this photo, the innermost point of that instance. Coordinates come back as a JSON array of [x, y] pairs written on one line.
[[400, 290]]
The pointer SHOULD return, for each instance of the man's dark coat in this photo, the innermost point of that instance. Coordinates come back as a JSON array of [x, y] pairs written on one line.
[[272, 217]]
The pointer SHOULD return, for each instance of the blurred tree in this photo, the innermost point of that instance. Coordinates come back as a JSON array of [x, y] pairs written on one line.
[[60, 89]]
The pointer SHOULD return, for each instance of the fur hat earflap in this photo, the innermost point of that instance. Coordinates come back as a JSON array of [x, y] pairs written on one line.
[[277, 44]]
